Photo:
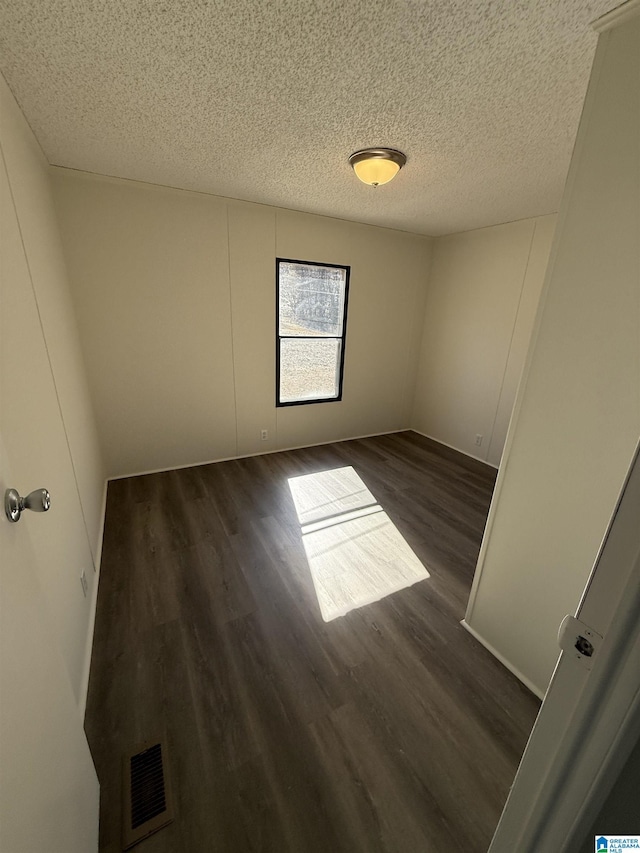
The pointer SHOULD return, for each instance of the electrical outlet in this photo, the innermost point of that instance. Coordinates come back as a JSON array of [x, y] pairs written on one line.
[[264, 434], [478, 440], [84, 582]]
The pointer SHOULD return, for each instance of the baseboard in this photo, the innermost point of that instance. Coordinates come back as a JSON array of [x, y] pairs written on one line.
[[259, 453], [527, 683], [451, 447], [84, 686]]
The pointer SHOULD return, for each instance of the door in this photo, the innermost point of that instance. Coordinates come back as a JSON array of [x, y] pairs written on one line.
[[48, 786], [589, 719]]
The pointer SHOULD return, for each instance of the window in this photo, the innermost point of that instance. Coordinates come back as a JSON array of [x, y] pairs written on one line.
[[311, 303]]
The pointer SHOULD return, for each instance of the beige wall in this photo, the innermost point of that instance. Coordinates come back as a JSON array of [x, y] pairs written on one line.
[[51, 427], [483, 293], [31, 191], [577, 415], [150, 274], [48, 787], [175, 296]]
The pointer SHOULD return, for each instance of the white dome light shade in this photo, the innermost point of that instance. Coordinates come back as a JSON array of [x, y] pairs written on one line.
[[375, 166]]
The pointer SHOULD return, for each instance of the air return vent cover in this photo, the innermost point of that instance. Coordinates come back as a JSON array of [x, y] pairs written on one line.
[[147, 805]]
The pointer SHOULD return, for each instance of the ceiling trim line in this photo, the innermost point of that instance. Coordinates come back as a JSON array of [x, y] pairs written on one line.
[[617, 16]]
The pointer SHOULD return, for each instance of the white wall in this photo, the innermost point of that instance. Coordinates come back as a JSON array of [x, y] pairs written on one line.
[[48, 787], [175, 295], [577, 415], [483, 293]]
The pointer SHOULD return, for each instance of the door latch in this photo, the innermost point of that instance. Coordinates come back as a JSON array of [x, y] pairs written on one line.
[[579, 641]]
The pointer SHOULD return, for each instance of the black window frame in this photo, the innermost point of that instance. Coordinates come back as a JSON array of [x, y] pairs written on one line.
[[342, 338]]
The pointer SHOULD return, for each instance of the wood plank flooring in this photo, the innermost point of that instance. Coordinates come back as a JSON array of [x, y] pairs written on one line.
[[389, 729]]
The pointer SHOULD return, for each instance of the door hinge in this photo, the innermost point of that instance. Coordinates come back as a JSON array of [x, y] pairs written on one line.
[[579, 641]]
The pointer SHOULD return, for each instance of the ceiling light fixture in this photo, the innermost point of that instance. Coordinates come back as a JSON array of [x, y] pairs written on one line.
[[375, 166]]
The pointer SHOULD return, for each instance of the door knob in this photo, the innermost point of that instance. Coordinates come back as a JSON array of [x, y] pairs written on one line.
[[37, 501]]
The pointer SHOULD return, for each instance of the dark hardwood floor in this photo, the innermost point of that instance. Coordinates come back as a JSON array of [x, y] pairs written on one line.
[[389, 729]]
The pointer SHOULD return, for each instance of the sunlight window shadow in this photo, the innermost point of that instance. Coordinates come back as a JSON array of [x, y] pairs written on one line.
[[355, 552]]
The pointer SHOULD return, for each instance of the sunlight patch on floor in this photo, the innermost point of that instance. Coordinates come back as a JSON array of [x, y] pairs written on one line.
[[355, 552]]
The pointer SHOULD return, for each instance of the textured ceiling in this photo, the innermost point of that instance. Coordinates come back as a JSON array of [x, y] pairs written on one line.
[[265, 99]]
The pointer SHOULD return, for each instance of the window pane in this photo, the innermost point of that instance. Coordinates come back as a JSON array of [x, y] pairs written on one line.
[[311, 299], [309, 369]]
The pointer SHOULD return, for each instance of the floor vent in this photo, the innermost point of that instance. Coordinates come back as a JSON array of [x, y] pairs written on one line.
[[147, 805]]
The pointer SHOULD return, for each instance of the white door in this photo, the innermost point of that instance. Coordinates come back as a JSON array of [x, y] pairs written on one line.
[[589, 719], [48, 786], [34, 435]]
